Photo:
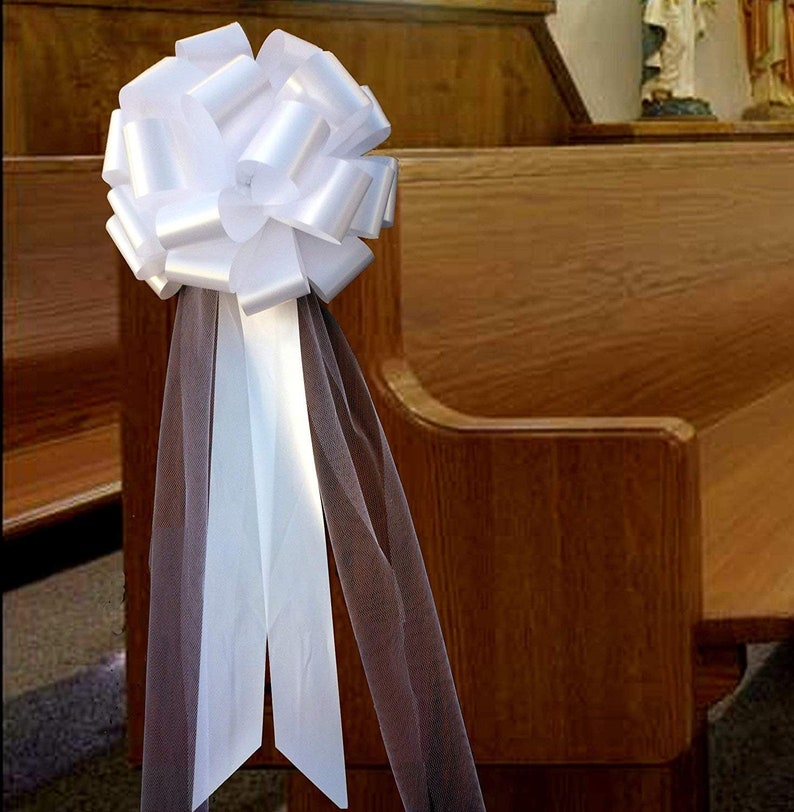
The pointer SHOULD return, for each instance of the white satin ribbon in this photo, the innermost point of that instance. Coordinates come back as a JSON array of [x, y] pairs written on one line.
[[266, 575], [211, 146], [249, 177]]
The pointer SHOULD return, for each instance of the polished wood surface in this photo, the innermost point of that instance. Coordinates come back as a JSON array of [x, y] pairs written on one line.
[[146, 324], [58, 266], [601, 280], [464, 78], [61, 353], [613, 320], [343, 8], [541, 537], [58, 478], [547, 685], [748, 521]]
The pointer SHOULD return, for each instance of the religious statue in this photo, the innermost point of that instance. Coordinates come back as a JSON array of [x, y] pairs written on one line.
[[670, 29], [769, 34]]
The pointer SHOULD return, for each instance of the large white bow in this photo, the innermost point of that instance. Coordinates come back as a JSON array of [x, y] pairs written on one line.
[[246, 176]]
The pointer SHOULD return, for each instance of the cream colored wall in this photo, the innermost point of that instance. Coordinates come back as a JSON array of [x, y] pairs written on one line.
[[721, 65], [602, 46]]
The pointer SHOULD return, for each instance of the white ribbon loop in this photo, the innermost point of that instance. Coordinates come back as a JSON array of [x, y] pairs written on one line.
[[331, 268], [203, 265], [322, 82], [328, 211], [368, 219], [214, 145], [373, 131], [391, 204], [115, 169], [229, 101], [142, 267], [138, 223], [223, 215], [159, 156], [277, 159], [211, 50], [158, 91], [272, 272], [162, 287], [282, 54]]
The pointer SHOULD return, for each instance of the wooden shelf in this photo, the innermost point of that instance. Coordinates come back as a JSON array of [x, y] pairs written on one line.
[[55, 480], [747, 469], [644, 131]]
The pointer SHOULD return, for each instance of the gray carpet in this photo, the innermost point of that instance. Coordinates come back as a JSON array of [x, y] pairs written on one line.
[[752, 743], [64, 749]]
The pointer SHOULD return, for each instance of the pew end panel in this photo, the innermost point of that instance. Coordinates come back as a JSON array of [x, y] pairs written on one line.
[[636, 280]]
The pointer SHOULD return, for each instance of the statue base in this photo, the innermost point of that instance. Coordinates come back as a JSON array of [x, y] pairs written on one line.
[[769, 112], [677, 108]]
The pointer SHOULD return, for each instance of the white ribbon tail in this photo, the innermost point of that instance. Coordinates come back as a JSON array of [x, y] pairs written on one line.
[[234, 630], [305, 693], [266, 575]]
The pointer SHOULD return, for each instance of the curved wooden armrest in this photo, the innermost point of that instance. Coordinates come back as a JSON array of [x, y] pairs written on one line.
[[564, 558], [401, 381]]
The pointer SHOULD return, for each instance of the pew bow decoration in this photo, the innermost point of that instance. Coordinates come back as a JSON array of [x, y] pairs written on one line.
[[246, 180]]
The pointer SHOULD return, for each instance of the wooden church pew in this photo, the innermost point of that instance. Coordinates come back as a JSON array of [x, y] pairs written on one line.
[[583, 359], [586, 371], [742, 449], [61, 433]]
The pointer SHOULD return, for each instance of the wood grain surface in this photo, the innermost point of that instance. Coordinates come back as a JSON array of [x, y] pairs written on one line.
[[58, 264], [529, 616], [562, 788], [748, 521], [355, 9], [52, 480], [602, 280], [146, 325], [468, 81], [61, 342], [564, 552], [542, 538]]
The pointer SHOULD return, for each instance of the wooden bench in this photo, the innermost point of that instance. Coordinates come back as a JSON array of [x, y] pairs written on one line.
[[637, 281], [584, 362], [61, 433], [584, 359]]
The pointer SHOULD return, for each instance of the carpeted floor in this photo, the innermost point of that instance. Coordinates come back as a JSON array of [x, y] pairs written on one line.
[[64, 710]]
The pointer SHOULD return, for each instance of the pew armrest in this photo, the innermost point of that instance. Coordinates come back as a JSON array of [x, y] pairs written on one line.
[[570, 616]]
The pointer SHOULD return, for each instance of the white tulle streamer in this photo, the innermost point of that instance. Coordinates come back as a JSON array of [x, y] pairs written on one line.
[[249, 177]]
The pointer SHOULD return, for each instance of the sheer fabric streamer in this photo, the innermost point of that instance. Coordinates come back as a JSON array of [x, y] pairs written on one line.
[[377, 557], [177, 559], [383, 578]]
